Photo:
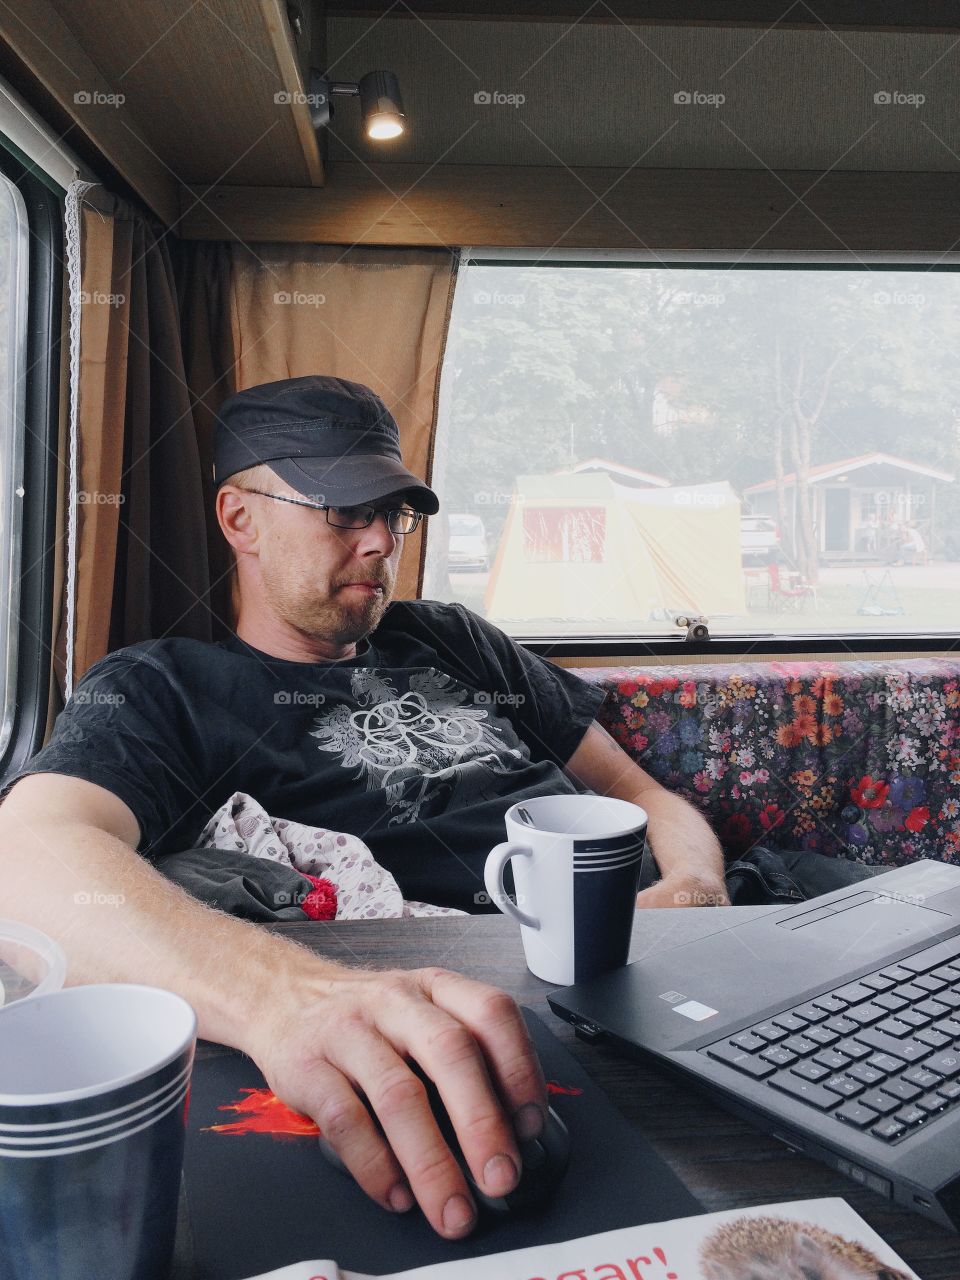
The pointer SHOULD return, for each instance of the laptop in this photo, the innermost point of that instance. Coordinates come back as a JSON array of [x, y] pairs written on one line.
[[832, 1024]]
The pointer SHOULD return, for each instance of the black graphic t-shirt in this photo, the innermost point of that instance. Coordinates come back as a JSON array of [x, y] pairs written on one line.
[[418, 745]]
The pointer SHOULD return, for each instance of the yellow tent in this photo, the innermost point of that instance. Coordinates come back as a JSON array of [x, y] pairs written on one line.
[[582, 549]]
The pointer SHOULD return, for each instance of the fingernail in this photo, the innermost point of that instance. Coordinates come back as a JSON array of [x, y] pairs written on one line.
[[400, 1198], [499, 1175], [528, 1122], [457, 1214]]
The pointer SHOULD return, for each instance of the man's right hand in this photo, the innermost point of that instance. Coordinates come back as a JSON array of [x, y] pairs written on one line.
[[344, 1032], [319, 1032]]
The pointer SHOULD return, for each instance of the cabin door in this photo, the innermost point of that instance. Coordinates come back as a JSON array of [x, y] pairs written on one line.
[[836, 520]]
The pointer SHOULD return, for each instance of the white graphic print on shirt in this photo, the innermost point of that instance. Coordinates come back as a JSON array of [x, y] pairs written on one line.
[[423, 747]]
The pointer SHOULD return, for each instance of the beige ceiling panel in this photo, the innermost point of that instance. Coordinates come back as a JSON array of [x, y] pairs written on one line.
[[606, 95]]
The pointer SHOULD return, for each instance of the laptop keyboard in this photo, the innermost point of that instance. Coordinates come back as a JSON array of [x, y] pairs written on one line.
[[881, 1054]]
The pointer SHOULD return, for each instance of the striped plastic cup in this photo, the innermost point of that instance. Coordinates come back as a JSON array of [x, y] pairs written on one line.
[[94, 1085]]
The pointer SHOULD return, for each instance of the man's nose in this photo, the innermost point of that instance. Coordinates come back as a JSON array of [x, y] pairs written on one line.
[[376, 538]]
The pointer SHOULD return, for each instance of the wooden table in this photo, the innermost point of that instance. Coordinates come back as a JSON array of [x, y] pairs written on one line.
[[725, 1163]]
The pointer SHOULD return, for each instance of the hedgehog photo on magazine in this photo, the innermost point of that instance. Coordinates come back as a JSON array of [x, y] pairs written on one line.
[[779, 1249]]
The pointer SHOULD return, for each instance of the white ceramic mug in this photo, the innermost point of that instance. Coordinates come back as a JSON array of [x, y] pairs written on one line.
[[576, 865]]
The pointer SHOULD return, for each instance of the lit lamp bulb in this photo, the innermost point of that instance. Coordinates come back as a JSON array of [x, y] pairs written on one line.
[[384, 127], [381, 106]]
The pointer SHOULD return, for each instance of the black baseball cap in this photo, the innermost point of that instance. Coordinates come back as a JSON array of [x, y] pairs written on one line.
[[332, 440]]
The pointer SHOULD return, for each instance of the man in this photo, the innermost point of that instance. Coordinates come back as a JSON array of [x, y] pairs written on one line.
[[328, 706]]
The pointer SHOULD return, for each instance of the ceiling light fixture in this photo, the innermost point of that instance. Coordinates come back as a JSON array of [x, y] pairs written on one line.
[[381, 107]]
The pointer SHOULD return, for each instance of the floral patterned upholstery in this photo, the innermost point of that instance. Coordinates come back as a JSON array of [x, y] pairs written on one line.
[[860, 759]]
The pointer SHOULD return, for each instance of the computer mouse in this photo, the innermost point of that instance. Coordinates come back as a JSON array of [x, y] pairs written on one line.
[[544, 1160]]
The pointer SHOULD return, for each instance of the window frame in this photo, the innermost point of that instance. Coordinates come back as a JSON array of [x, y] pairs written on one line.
[[757, 644], [34, 619]]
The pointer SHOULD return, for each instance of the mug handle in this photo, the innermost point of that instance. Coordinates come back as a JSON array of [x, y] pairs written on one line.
[[497, 859]]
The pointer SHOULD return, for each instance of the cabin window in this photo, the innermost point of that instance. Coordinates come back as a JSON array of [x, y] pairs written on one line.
[[14, 259], [773, 445], [31, 252]]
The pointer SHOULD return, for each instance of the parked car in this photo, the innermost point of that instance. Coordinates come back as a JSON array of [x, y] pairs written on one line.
[[468, 543], [759, 539]]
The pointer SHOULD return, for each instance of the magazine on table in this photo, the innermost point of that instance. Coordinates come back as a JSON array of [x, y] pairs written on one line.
[[808, 1238]]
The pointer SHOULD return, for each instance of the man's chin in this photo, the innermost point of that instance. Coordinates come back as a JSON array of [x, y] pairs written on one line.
[[358, 621]]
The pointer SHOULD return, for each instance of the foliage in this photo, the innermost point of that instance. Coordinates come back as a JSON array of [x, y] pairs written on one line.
[[695, 374]]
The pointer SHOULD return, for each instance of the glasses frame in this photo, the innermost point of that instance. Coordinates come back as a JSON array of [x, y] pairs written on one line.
[[389, 513]]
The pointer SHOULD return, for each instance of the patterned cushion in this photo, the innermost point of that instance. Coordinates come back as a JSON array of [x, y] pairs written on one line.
[[860, 759]]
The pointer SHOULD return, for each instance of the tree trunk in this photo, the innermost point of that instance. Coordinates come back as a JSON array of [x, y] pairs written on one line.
[[808, 559], [786, 534]]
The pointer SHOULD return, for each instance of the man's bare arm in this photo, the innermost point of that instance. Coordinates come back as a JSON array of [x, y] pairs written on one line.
[[318, 1031], [686, 850]]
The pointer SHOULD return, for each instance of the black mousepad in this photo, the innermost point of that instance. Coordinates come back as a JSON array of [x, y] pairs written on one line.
[[260, 1199]]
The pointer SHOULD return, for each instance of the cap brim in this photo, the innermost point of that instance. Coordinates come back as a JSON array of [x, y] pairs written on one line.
[[344, 481]]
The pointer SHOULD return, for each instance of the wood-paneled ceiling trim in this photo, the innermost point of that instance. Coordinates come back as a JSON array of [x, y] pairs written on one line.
[[48, 48], [285, 51], [853, 15], [640, 209], [63, 51]]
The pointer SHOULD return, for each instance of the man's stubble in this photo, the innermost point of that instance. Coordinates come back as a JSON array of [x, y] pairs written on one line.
[[325, 613]]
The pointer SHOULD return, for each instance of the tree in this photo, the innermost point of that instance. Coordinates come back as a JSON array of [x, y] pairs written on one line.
[[762, 371]]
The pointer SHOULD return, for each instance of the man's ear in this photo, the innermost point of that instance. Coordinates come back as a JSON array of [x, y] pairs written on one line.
[[236, 519]]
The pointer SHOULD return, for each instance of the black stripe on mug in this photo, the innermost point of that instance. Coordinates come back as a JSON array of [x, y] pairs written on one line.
[[608, 844], [603, 911]]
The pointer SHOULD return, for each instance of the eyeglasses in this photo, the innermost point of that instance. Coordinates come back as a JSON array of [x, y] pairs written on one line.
[[400, 520]]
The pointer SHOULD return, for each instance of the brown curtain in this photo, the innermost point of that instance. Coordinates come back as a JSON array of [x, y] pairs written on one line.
[[166, 331], [141, 560], [257, 313]]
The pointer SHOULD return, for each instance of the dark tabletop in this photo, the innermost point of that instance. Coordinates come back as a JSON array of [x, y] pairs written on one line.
[[725, 1163]]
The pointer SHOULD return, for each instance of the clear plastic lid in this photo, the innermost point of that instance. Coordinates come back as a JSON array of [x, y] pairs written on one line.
[[31, 964]]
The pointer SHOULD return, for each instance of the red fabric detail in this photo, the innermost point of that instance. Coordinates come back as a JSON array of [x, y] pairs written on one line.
[[321, 902]]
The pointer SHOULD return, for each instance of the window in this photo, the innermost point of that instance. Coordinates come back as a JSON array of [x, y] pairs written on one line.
[[14, 258], [774, 446], [31, 217]]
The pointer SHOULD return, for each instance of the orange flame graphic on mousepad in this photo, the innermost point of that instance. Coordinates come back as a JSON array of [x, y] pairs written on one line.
[[272, 1199], [261, 1111]]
